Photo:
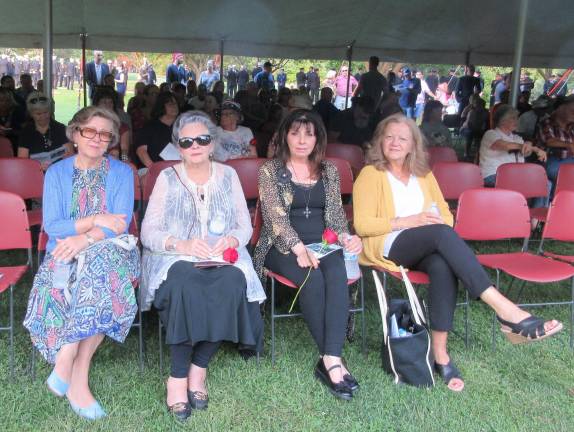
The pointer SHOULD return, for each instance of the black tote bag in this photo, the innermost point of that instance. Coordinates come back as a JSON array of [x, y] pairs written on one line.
[[408, 359]]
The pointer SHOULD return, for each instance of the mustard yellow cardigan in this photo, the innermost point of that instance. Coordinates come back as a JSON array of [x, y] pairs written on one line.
[[373, 209]]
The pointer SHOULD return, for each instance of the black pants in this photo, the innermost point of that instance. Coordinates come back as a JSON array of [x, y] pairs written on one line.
[[324, 299], [438, 251], [184, 354]]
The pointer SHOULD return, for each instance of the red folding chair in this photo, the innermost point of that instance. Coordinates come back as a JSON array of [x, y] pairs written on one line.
[[441, 154], [247, 170], [528, 179], [6, 149], [346, 182], [148, 181], [25, 178], [456, 177], [497, 214], [351, 153], [565, 180], [559, 224], [14, 234], [274, 277]]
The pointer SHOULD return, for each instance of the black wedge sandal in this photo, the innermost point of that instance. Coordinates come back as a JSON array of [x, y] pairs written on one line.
[[340, 390], [448, 372], [528, 330]]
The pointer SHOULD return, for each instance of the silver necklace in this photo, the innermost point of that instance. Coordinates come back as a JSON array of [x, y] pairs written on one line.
[[306, 212]]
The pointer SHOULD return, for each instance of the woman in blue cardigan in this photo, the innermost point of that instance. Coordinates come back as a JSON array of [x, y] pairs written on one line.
[[83, 290]]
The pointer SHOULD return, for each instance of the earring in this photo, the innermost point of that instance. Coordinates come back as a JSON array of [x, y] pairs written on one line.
[[75, 145], [211, 156]]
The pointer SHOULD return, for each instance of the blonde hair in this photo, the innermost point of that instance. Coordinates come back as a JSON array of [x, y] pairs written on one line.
[[86, 114], [417, 159]]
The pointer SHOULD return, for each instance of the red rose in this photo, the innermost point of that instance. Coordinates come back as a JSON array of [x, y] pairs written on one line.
[[253, 142], [230, 255], [330, 236]]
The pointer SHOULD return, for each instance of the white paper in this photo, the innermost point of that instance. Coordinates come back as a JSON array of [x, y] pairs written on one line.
[[170, 152], [49, 156], [319, 250]]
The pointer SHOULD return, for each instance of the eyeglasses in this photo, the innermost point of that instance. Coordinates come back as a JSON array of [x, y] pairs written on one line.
[[187, 142], [90, 133], [38, 99]]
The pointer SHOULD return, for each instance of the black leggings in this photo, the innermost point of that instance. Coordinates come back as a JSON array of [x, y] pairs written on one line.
[[438, 251], [324, 299], [181, 356]]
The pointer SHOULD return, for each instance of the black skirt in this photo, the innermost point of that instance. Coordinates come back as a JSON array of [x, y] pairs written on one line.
[[208, 305]]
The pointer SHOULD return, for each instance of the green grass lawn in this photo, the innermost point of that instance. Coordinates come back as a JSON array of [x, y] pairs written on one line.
[[515, 388]]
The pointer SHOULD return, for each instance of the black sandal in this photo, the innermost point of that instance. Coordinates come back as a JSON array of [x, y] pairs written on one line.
[[448, 372], [528, 330], [198, 400], [350, 380], [180, 410], [340, 390]]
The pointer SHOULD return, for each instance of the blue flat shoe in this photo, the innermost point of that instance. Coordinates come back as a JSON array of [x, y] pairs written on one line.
[[57, 385], [92, 412]]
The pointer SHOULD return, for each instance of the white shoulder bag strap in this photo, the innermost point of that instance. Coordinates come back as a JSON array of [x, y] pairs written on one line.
[[418, 313], [382, 304]]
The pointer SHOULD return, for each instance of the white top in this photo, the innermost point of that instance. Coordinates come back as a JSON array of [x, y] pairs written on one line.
[[408, 200], [491, 159], [232, 144]]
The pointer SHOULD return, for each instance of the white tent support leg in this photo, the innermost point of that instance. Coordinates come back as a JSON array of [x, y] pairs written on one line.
[[518, 48], [47, 74], [350, 61]]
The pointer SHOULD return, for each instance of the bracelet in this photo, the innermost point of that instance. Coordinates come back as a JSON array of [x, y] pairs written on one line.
[[90, 239]]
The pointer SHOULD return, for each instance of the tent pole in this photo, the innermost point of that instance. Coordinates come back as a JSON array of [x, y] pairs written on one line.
[[221, 46], [350, 61], [518, 48], [83, 37], [47, 75], [467, 58]]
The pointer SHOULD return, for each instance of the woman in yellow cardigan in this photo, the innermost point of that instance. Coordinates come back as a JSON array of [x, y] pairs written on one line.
[[403, 219]]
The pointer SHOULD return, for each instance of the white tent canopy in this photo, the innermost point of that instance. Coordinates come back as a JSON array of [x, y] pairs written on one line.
[[418, 31]]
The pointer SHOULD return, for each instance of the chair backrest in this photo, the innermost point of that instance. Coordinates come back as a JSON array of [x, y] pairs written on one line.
[[24, 177], [559, 224], [42, 240], [527, 178], [6, 149], [345, 174], [257, 225], [441, 154], [14, 229], [456, 177], [351, 153], [137, 183], [151, 176], [565, 179], [492, 214], [247, 170]]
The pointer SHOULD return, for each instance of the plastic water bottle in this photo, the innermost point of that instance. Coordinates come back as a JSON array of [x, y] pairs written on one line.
[[61, 275], [351, 263], [215, 229], [404, 333], [394, 327], [434, 209]]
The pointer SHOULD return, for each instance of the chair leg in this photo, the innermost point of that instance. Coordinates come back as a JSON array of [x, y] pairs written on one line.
[[140, 330], [466, 307], [520, 291], [273, 322], [572, 317], [33, 364], [11, 331], [160, 349], [363, 328], [494, 313]]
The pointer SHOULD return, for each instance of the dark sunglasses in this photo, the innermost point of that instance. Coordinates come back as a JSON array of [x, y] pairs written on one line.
[[187, 142], [35, 100], [90, 133]]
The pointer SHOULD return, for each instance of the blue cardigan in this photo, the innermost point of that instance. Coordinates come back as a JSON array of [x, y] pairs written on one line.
[[57, 198]]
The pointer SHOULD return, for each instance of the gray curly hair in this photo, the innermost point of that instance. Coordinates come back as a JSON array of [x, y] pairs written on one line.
[[190, 117], [86, 114]]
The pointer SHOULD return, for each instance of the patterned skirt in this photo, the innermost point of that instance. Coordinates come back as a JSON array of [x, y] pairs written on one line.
[[101, 299]]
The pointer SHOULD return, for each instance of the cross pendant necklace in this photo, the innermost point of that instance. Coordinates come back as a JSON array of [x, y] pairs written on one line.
[[306, 212]]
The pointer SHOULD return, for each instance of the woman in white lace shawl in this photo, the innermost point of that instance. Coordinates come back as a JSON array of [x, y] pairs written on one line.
[[196, 211]]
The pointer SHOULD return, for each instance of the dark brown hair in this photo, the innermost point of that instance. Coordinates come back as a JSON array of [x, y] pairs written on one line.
[[297, 119]]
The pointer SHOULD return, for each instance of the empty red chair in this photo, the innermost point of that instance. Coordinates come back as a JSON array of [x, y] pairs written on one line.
[[559, 224], [248, 172], [528, 179], [14, 234], [25, 178], [456, 177], [351, 153], [346, 181], [148, 181], [497, 214], [6, 149], [565, 180], [441, 154]]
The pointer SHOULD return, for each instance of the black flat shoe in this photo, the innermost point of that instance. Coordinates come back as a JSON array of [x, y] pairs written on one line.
[[528, 330], [340, 390], [448, 372], [350, 380], [198, 400], [180, 410]]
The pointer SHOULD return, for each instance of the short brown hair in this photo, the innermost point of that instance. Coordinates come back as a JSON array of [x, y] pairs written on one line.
[[416, 161], [86, 114], [297, 119]]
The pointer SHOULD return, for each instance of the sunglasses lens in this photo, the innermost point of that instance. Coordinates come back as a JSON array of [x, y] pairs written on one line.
[[203, 140], [185, 143]]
